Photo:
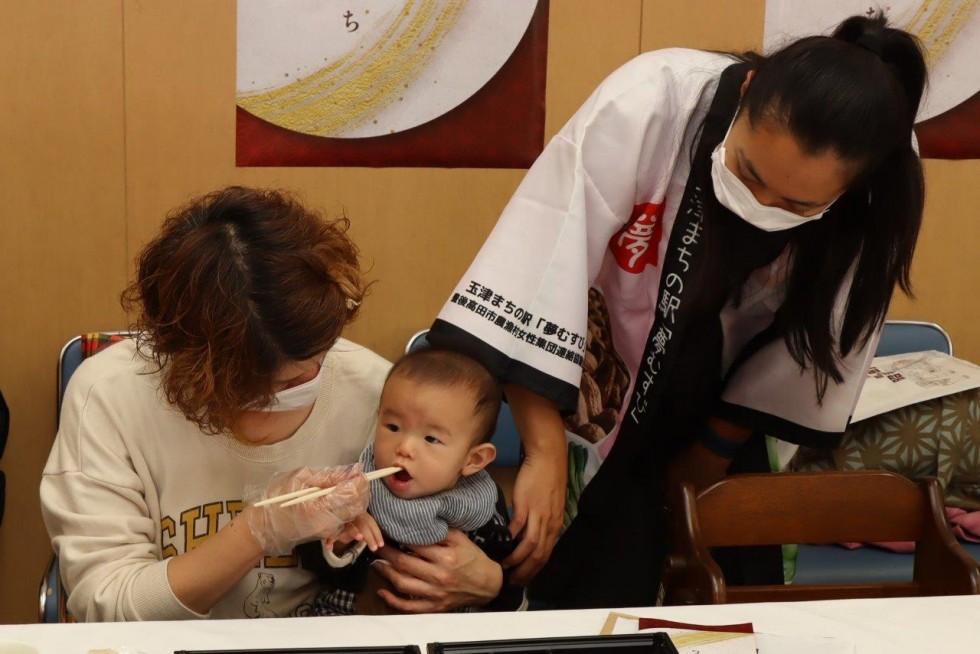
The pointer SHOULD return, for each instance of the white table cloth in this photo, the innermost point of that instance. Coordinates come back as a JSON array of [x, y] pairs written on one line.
[[888, 626]]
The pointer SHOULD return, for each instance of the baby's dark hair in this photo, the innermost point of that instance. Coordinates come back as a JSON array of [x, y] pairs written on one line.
[[448, 368]]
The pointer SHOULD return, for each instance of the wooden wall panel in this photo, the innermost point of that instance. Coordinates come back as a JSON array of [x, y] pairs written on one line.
[[587, 41], [417, 228], [705, 24], [128, 110], [62, 238], [945, 273]]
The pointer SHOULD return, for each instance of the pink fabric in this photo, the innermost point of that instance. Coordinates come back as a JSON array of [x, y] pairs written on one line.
[[965, 526]]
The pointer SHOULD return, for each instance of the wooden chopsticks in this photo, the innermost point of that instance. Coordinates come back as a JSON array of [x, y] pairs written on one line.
[[307, 494]]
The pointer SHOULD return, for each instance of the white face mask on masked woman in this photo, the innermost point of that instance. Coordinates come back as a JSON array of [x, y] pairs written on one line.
[[297, 397], [736, 196]]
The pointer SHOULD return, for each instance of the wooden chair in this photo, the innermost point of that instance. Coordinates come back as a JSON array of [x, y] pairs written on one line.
[[816, 507]]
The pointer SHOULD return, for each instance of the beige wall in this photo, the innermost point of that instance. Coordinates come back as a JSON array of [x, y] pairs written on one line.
[[62, 237], [115, 111]]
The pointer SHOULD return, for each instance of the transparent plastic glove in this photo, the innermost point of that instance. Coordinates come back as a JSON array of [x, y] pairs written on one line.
[[279, 529]]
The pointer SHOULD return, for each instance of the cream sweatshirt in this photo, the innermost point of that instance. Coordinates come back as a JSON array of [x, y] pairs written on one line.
[[131, 483]]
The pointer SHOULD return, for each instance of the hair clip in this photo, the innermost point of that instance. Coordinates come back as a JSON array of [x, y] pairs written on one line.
[[351, 303]]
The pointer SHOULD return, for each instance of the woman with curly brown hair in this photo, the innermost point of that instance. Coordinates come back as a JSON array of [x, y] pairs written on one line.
[[237, 372]]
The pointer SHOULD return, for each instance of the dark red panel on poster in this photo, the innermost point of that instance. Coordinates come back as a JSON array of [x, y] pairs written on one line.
[[953, 134], [500, 126]]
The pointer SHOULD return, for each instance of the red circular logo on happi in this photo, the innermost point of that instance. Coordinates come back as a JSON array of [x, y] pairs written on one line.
[[635, 245]]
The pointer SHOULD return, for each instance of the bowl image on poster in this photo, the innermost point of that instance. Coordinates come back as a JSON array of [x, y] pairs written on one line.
[[355, 70]]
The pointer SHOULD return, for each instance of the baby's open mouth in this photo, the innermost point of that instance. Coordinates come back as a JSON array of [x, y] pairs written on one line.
[[402, 476]]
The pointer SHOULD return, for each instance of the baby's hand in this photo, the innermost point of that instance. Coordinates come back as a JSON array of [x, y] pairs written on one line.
[[362, 528]]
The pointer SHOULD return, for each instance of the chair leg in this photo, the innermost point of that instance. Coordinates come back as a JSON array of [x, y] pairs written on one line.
[[942, 566]]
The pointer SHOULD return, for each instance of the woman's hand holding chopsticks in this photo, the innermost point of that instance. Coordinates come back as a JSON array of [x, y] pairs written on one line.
[[320, 515]]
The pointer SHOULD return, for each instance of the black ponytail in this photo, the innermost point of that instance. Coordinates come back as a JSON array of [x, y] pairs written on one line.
[[854, 94]]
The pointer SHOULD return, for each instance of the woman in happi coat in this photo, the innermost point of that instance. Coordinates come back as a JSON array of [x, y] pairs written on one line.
[[703, 255]]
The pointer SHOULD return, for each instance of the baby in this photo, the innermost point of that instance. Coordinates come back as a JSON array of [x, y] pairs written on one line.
[[437, 413]]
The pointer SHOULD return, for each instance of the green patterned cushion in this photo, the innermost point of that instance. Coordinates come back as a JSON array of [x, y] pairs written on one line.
[[939, 438]]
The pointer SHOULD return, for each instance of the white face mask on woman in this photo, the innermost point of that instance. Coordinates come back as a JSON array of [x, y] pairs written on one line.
[[297, 397], [735, 196]]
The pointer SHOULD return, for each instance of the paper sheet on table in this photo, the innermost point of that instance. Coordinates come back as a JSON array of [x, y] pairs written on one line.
[[776, 644], [688, 638], [725, 639], [903, 379]]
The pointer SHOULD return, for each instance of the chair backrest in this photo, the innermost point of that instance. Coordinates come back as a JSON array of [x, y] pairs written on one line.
[[821, 507], [505, 437], [767, 509], [68, 362], [904, 336], [77, 350], [52, 602]]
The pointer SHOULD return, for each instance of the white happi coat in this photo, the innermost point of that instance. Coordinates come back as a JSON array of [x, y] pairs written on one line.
[[591, 224], [597, 210]]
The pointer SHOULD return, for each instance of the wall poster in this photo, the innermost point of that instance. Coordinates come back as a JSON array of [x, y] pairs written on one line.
[[453, 83], [948, 124]]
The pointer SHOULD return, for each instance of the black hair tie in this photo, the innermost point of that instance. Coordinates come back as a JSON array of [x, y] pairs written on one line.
[[871, 43]]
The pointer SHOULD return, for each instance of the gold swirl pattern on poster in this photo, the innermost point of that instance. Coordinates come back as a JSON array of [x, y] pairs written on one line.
[[937, 23], [360, 85]]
